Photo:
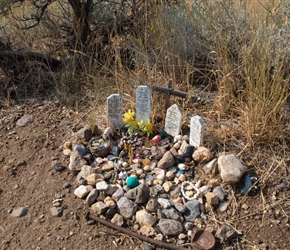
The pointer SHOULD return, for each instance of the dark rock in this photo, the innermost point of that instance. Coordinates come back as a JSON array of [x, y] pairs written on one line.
[[170, 227], [192, 210]]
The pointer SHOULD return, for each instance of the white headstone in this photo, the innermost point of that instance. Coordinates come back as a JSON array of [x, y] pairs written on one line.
[[143, 99], [196, 131], [114, 111], [173, 120]]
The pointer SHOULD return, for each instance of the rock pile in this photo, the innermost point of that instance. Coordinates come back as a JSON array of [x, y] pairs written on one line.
[[150, 188]]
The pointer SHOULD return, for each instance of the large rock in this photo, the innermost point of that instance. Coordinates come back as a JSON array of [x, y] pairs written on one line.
[[170, 227], [82, 176], [202, 154], [24, 120], [82, 191], [172, 213], [192, 210], [140, 194], [85, 133], [166, 161], [231, 168], [118, 220], [145, 219], [92, 196], [76, 161], [126, 207], [99, 208], [19, 212]]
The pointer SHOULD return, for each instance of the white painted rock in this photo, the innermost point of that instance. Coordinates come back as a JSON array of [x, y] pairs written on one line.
[[231, 168], [82, 191]]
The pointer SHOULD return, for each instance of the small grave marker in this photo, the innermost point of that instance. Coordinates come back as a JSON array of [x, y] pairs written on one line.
[[196, 131], [143, 99], [173, 120], [114, 111], [169, 91]]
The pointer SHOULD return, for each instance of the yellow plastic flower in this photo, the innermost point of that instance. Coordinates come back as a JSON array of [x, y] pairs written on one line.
[[145, 127], [149, 128], [128, 116]]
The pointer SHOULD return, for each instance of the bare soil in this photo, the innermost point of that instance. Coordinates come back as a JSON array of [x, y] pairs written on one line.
[[27, 179]]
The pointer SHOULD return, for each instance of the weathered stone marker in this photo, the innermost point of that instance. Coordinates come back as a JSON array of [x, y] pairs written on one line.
[[173, 120], [114, 111], [196, 131], [143, 100], [169, 91]]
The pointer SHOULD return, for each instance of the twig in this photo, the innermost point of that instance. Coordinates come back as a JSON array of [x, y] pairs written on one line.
[[131, 233]]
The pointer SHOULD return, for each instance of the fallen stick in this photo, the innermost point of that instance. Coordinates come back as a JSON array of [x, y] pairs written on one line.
[[131, 233]]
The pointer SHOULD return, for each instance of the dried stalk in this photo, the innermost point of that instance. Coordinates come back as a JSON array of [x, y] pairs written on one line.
[[131, 233]]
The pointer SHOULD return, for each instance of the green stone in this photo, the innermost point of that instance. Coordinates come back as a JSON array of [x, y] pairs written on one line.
[[132, 182]]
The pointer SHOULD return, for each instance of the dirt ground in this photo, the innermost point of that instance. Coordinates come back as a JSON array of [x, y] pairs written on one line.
[[27, 179]]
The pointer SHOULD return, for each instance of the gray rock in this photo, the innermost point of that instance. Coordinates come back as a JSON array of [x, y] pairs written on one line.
[[209, 168], [126, 207], [56, 212], [172, 213], [155, 190], [157, 153], [145, 219], [140, 193], [92, 196], [175, 192], [219, 192], [118, 194], [166, 161], [85, 133], [76, 161], [152, 205], [180, 207], [225, 233], [160, 214], [24, 120], [99, 208], [231, 168], [57, 166], [192, 210], [81, 149], [165, 203], [82, 176], [170, 227], [111, 190], [19, 212], [146, 246]]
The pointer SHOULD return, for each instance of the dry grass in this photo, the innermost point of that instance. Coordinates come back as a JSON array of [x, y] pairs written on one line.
[[238, 48]]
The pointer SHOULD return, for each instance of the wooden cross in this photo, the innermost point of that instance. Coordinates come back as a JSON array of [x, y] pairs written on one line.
[[168, 91]]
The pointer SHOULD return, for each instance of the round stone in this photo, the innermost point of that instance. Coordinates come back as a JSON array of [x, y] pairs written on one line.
[[132, 182]]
